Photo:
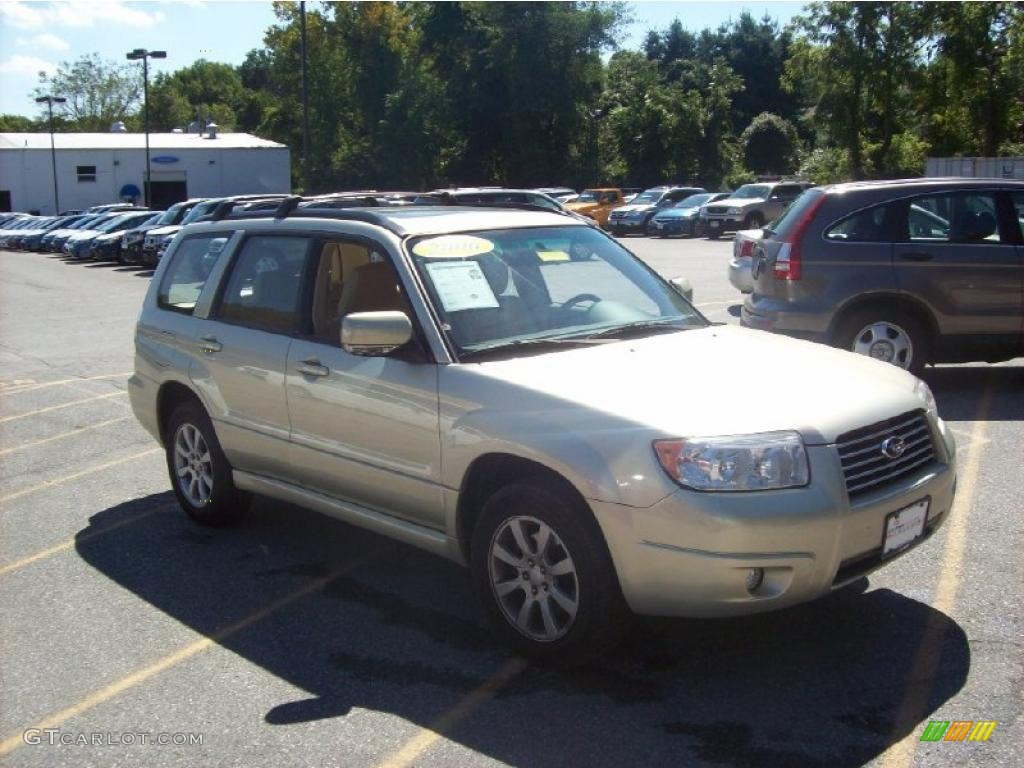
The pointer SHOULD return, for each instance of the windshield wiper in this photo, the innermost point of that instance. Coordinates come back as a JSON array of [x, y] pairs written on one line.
[[667, 324], [551, 341]]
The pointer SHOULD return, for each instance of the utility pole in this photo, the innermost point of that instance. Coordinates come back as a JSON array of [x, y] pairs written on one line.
[[50, 101], [305, 102], [142, 53]]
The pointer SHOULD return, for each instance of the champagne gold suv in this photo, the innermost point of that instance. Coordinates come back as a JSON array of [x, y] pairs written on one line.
[[515, 391]]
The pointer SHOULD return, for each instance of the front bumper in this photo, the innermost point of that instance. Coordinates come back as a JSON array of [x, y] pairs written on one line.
[[621, 226], [722, 224], [689, 554], [671, 227]]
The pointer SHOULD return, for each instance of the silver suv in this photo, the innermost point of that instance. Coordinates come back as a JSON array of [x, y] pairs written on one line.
[[750, 207], [515, 391]]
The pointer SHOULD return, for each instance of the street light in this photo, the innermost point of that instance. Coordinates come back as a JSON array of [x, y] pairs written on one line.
[[49, 101], [142, 53]]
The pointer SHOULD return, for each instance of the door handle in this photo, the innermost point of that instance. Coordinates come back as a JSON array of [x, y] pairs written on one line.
[[916, 256], [312, 367], [210, 344]]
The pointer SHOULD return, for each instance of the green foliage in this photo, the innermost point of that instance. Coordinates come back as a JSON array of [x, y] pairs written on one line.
[[99, 93], [769, 145], [419, 95], [21, 124]]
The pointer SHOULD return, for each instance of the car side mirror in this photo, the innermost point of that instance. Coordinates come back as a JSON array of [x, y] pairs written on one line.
[[683, 287], [375, 334]]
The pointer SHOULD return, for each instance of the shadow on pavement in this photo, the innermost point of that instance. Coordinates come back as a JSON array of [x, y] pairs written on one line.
[[819, 685], [959, 389]]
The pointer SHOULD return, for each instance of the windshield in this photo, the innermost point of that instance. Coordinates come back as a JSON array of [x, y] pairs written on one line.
[[650, 196], [693, 201], [123, 222], [201, 209], [588, 196], [170, 215], [751, 191], [505, 287]]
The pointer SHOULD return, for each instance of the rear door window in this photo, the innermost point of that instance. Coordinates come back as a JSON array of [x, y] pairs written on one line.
[[186, 275], [265, 283], [956, 217]]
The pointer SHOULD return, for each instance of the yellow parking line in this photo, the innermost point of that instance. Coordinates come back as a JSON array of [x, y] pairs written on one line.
[[62, 435], [76, 475], [426, 737], [140, 676], [929, 649], [30, 387], [88, 536], [119, 393]]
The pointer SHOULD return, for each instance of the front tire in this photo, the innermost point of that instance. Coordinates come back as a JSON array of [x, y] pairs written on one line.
[[888, 335], [199, 471], [543, 575]]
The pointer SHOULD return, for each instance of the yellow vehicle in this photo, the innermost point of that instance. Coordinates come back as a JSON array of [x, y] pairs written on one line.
[[597, 203]]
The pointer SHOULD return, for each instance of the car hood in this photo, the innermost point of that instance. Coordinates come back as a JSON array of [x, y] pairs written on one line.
[[169, 229], [583, 207], [637, 208], [740, 202], [83, 234], [720, 380], [678, 213]]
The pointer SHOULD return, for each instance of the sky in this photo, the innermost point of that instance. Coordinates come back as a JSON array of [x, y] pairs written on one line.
[[38, 36]]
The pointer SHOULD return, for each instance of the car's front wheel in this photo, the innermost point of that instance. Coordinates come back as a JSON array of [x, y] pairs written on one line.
[[888, 335], [543, 575], [199, 471]]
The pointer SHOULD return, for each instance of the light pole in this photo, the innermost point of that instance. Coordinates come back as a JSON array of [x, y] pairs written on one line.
[[49, 101], [142, 53]]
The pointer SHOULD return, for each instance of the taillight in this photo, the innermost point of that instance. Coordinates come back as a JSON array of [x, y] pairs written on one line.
[[789, 261], [746, 247]]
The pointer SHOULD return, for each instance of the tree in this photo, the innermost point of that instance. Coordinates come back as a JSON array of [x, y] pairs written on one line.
[[98, 92], [20, 124], [769, 145]]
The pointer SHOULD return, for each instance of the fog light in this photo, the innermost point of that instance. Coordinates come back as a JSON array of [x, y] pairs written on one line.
[[755, 576]]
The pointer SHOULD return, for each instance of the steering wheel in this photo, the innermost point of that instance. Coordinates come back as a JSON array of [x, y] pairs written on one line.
[[580, 297]]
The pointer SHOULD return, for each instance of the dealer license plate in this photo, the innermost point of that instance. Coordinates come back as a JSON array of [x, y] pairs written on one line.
[[904, 526], [713, 224]]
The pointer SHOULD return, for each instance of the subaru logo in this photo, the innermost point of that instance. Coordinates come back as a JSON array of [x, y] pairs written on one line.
[[893, 447]]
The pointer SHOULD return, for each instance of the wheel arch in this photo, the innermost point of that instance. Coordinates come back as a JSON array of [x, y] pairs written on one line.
[[169, 397], [489, 473], [886, 301]]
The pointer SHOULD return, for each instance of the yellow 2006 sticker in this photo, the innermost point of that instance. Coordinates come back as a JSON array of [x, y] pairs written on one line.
[[552, 255], [452, 246]]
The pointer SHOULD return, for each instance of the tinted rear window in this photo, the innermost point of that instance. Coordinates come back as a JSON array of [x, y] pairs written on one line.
[[792, 215]]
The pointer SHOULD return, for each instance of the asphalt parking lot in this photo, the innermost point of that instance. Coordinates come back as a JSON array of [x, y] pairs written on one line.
[[295, 639]]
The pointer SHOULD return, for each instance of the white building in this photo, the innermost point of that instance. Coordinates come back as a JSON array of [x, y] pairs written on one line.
[[96, 168], [976, 167]]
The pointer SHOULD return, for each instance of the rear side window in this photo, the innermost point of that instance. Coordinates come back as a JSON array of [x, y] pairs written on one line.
[[186, 275], [959, 217], [265, 283], [1018, 210], [862, 227]]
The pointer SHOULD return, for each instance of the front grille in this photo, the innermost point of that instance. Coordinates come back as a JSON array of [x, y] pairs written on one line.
[[717, 210], [866, 467]]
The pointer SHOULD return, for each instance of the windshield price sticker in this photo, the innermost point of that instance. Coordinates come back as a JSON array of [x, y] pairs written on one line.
[[552, 255], [452, 246], [461, 285]]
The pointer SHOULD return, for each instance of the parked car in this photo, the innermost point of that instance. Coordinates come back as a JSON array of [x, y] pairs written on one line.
[[558, 193], [156, 240], [740, 265], [682, 218], [751, 206], [54, 240], [107, 246], [30, 239], [132, 240], [16, 227], [597, 204], [454, 379], [633, 217], [79, 245], [629, 194], [909, 272]]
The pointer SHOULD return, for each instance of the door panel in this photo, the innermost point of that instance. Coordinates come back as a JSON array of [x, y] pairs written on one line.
[[243, 349], [956, 259], [366, 429]]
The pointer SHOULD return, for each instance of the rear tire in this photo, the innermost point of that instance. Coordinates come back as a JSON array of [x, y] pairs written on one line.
[[543, 576], [199, 471], [890, 335]]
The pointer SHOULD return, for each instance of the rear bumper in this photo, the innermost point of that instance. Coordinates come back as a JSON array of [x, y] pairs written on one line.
[[690, 554], [764, 314]]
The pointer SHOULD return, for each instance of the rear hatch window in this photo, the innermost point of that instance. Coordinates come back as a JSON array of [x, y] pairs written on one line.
[[791, 217]]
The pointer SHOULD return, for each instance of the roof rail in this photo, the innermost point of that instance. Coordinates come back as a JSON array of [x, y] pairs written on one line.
[[287, 205]]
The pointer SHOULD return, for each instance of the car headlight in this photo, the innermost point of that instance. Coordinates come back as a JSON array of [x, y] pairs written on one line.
[[762, 462], [923, 391], [734, 211]]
